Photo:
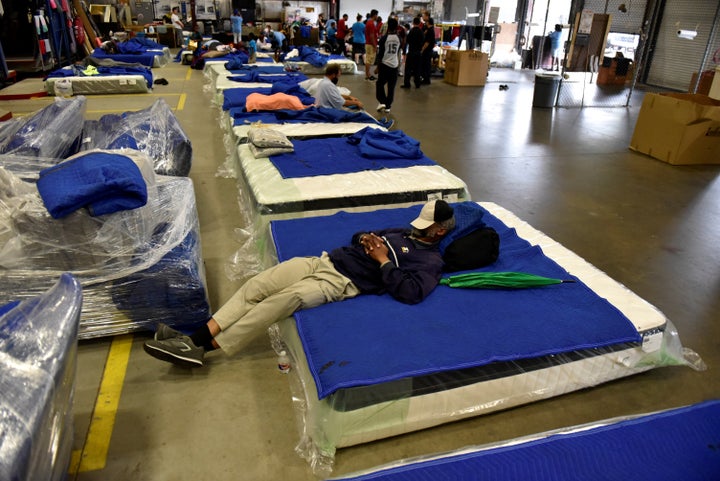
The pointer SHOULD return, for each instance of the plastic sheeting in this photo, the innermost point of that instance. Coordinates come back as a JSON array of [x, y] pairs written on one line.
[[137, 267], [38, 352], [51, 132], [366, 413], [154, 131]]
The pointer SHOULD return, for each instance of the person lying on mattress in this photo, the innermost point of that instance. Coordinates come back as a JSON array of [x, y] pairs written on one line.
[[327, 93], [405, 263]]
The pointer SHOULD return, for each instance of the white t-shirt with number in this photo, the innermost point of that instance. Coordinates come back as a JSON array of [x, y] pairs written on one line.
[[391, 55]]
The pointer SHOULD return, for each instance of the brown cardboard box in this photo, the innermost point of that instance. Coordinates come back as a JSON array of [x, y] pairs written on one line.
[[679, 128], [466, 67]]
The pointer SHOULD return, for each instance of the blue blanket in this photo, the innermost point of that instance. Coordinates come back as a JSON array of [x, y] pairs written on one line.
[[308, 115], [372, 339], [234, 65], [105, 72], [253, 76], [335, 155], [680, 444], [146, 58], [104, 183], [238, 97], [380, 144]]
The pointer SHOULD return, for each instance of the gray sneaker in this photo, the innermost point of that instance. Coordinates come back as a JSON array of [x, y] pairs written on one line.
[[164, 331], [177, 350]]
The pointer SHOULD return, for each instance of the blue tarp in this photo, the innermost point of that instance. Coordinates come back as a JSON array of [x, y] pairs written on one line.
[[373, 339]]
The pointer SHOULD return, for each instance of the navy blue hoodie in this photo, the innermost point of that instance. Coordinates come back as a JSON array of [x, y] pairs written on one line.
[[412, 273]]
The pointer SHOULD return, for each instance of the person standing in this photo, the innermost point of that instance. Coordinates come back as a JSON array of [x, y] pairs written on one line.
[[555, 43], [177, 25], [415, 40], [252, 48], [371, 42], [322, 24], [358, 40], [237, 21], [341, 33], [427, 51], [388, 62]]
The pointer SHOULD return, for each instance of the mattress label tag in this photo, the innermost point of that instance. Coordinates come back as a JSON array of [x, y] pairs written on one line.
[[652, 341], [131, 81], [122, 81]]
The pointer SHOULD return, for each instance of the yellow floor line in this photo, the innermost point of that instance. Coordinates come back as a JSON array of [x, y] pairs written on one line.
[[93, 455], [181, 102], [188, 74]]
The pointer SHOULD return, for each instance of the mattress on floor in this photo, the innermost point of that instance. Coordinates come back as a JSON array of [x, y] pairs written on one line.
[[151, 57], [264, 196], [214, 68], [366, 413], [99, 85], [238, 135], [137, 267], [662, 446], [38, 355], [155, 131], [346, 66]]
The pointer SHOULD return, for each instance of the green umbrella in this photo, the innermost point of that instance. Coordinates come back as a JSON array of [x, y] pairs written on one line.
[[495, 280]]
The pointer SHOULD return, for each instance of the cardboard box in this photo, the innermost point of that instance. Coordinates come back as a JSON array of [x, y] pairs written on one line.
[[466, 67], [679, 128]]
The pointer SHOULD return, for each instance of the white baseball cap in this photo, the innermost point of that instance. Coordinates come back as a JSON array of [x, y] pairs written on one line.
[[432, 212]]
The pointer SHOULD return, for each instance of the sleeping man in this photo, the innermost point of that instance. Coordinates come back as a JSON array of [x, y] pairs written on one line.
[[405, 263]]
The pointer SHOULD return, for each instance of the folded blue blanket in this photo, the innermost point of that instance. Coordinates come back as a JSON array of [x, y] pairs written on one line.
[[308, 115], [102, 182], [380, 144], [665, 446], [335, 155], [373, 339]]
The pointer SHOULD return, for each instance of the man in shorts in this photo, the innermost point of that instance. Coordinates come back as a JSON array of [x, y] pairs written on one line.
[[371, 42]]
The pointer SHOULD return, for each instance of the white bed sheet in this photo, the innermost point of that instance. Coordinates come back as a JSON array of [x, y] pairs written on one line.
[[105, 84], [324, 429]]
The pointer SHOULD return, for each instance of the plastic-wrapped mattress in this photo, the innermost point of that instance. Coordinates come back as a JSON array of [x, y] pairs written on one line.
[[38, 352], [51, 132], [154, 131], [365, 413], [137, 267]]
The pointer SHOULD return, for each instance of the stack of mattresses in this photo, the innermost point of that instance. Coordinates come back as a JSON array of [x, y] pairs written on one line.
[[38, 354]]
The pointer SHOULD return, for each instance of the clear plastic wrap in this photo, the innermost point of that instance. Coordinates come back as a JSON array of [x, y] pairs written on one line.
[[154, 131], [362, 414], [137, 267], [52, 132], [99, 84], [38, 352]]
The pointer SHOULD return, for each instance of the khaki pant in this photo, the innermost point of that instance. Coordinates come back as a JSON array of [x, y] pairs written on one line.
[[276, 293]]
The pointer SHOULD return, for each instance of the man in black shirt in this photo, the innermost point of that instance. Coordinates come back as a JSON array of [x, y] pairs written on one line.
[[414, 41], [427, 51]]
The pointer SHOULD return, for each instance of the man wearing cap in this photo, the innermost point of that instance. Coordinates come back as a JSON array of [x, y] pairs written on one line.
[[405, 263]]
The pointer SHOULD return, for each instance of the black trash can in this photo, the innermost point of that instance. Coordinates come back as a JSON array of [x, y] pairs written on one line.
[[546, 89]]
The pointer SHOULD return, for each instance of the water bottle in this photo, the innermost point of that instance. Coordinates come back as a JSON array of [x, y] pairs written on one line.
[[283, 362]]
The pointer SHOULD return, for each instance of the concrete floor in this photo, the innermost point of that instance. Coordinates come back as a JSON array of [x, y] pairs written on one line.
[[568, 172]]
